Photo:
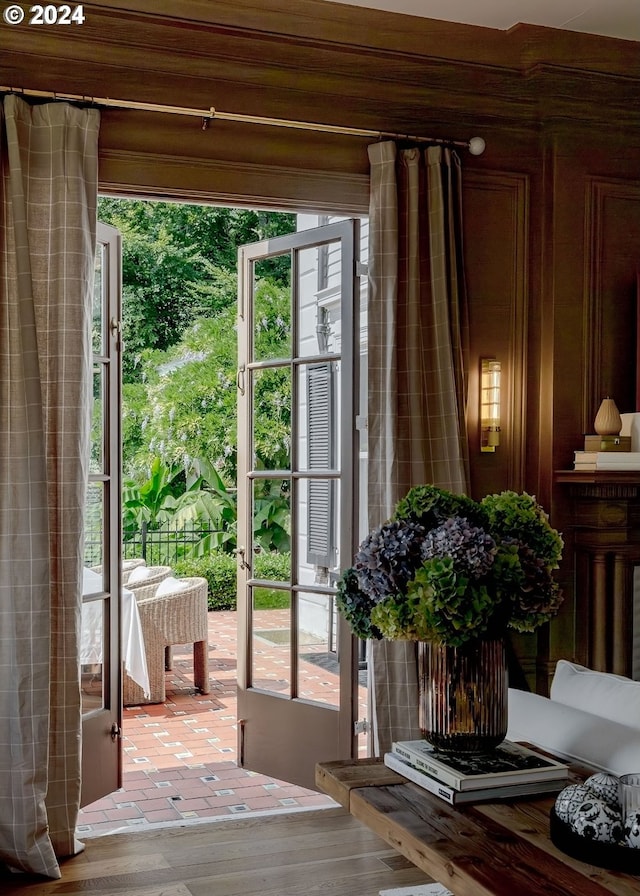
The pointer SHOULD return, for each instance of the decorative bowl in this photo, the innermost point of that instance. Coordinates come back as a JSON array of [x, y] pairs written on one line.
[[604, 855]]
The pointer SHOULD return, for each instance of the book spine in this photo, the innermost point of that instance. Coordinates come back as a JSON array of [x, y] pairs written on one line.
[[423, 763], [394, 762]]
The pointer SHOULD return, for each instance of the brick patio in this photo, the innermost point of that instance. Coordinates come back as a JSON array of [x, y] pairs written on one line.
[[179, 758]]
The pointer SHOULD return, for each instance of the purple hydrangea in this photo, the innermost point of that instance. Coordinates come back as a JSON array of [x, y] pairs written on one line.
[[388, 558], [470, 548]]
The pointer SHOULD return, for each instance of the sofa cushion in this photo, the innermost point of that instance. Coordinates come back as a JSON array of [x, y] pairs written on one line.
[[611, 696], [573, 733]]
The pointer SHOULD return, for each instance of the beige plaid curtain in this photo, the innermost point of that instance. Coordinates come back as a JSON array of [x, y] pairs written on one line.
[[48, 195], [416, 364]]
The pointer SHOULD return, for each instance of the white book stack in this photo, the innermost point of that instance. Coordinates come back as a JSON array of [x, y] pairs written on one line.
[[618, 460]]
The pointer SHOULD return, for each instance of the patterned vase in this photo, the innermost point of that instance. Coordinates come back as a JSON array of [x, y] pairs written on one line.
[[463, 695]]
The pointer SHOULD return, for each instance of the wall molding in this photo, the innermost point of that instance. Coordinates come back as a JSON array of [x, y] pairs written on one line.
[[598, 192], [516, 186]]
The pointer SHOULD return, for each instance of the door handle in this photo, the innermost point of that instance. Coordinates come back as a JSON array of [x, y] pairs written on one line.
[[240, 380], [240, 552]]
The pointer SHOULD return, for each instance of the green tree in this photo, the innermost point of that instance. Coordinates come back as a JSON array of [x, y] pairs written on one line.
[[185, 405], [179, 262]]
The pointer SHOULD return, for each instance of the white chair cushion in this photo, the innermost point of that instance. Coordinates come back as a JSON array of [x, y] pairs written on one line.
[[171, 585], [140, 574], [610, 696], [573, 733]]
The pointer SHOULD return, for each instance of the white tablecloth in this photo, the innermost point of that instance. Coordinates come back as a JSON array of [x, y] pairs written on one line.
[[133, 652]]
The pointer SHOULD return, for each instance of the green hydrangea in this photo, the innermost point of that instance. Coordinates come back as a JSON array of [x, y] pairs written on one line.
[[430, 506], [519, 516]]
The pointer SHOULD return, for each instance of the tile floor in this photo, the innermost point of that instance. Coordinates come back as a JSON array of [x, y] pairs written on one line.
[[179, 758]]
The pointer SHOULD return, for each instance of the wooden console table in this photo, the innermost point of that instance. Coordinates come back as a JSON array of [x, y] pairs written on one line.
[[488, 849]]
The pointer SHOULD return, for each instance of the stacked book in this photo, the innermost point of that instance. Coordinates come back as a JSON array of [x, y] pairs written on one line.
[[510, 770], [606, 460]]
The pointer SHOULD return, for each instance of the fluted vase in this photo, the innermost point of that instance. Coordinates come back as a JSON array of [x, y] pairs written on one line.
[[463, 694]]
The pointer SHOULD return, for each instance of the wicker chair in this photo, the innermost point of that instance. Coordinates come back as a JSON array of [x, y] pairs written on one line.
[[129, 565], [147, 587], [178, 617]]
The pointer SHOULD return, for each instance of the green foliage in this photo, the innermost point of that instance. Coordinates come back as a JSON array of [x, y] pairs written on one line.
[[185, 405], [190, 408], [220, 571], [429, 506], [272, 515], [519, 516], [152, 500], [273, 567], [196, 499], [180, 364], [453, 608], [179, 261]]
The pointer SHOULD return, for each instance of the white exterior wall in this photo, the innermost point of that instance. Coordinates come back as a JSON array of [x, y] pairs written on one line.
[[314, 613]]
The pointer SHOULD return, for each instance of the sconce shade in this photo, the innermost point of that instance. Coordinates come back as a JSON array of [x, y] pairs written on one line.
[[490, 374], [608, 421]]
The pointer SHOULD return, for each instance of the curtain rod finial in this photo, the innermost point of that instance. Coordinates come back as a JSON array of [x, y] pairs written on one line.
[[477, 146]]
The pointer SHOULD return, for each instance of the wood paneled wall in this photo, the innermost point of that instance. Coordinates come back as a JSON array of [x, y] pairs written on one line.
[[552, 209]]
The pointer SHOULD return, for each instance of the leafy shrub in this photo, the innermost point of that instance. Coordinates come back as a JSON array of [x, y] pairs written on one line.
[[220, 572], [275, 567], [219, 569]]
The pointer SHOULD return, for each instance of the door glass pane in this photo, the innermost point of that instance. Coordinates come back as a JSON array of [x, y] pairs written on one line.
[[94, 526], [272, 308], [274, 566], [318, 664], [271, 640], [272, 515], [91, 660], [272, 418], [92, 687], [97, 325], [318, 294], [97, 422]]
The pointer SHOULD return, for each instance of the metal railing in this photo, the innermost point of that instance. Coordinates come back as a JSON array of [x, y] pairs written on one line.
[[158, 546]]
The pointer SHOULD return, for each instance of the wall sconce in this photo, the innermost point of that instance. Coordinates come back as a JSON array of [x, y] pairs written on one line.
[[489, 404]]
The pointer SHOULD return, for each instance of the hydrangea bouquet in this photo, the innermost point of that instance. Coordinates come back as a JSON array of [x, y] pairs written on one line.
[[448, 569]]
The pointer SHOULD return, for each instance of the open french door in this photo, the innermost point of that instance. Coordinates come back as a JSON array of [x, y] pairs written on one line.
[[100, 666], [297, 498]]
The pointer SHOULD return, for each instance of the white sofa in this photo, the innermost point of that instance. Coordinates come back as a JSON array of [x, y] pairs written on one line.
[[590, 717]]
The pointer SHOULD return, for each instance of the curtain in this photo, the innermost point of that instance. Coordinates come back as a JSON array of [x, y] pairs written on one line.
[[416, 371], [48, 197]]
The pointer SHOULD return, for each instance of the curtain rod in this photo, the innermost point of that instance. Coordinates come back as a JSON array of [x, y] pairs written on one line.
[[475, 145]]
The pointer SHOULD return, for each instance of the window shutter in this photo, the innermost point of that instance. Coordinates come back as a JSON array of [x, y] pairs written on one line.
[[321, 549]]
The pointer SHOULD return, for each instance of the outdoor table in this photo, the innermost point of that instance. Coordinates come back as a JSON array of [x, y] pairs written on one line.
[[91, 636]]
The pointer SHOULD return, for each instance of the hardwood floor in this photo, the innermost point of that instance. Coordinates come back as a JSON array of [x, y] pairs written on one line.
[[298, 854]]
